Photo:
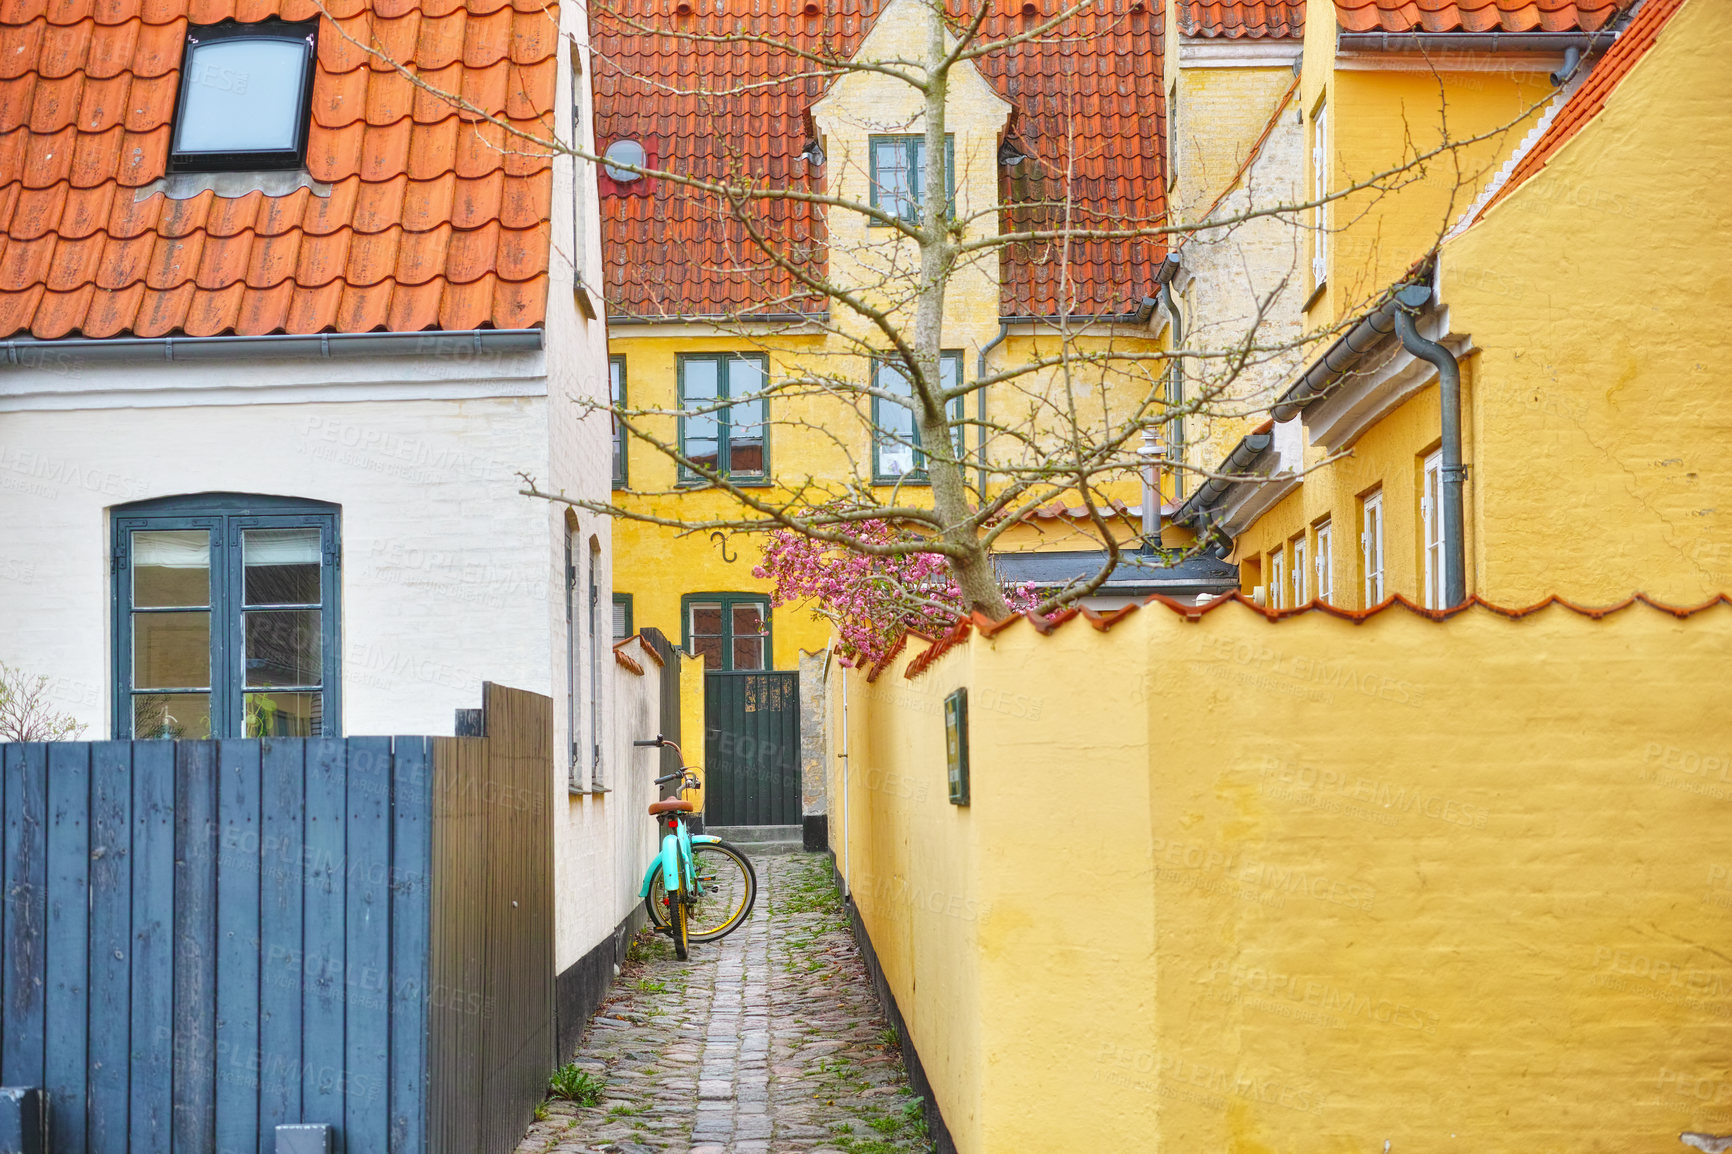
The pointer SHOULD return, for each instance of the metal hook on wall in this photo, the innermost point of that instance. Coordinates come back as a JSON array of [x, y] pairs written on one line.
[[721, 539]]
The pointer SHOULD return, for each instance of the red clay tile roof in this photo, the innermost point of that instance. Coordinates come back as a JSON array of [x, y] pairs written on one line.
[[675, 253], [1475, 15], [1585, 103], [1243, 19], [429, 223]]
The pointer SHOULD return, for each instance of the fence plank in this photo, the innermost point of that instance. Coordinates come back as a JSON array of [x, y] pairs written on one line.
[[283, 795], [367, 1033], [411, 995], [110, 943], [26, 913], [153, 780], [66, 1015], [322, 934], [195, 866], [239, 1060]]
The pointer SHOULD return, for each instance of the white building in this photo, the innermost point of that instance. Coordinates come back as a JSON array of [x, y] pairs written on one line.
[[279, 336]]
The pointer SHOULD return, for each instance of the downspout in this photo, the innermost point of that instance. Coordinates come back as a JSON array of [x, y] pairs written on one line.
[[980, 405], [1412, 298]]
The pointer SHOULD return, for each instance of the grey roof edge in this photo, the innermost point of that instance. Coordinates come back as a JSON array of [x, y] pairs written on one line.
[[27, 352]]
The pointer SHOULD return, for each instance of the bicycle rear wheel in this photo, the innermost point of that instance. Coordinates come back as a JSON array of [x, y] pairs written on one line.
[[677, 926], [730, 886]]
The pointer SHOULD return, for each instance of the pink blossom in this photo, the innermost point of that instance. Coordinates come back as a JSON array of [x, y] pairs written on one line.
[[871, 599]]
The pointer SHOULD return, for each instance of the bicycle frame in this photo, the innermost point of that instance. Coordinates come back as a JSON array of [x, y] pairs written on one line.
[[676, 849]]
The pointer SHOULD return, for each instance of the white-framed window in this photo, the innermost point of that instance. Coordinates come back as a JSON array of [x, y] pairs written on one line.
[[574, 777], [1319, 190], [1371, 547], [595, 643], [1324, 563], [1277, 579], [1297, 570], [1431, 526]]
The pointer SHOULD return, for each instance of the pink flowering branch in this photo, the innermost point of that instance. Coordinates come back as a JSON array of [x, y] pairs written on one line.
[[870, 598]]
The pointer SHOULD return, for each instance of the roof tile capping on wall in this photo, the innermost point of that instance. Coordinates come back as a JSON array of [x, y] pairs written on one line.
[[425, 215], [987, 627]]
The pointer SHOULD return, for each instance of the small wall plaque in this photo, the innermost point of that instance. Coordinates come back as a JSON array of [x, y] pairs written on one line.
[[956, 744]]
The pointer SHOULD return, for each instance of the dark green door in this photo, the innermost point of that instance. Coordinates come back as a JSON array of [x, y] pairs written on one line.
[[751, 748]]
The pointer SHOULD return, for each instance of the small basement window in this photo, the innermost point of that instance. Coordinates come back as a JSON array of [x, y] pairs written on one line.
[[245, 94]]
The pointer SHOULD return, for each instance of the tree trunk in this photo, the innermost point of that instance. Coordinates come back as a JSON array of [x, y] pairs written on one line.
[[969, 560]]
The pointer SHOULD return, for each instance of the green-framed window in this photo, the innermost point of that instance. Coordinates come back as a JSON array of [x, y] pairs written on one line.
[[898, 174], [896, 452], [622, 627], [729, 630], [724, 425], [226, 617], [616, 385]]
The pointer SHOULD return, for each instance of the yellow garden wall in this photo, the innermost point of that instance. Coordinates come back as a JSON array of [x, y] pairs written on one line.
[[1308, 885]]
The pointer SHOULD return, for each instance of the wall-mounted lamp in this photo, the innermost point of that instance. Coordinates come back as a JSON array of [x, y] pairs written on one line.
[[813, 153], [1010, 154]]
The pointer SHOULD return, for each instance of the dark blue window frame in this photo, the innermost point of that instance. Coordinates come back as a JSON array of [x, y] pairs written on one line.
[[226, 516]]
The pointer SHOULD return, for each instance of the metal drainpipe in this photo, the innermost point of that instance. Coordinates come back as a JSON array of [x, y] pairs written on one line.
[[1414, 297], [980, 404]]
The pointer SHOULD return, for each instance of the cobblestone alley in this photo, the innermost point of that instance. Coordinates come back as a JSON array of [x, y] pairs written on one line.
[[767, 1042]]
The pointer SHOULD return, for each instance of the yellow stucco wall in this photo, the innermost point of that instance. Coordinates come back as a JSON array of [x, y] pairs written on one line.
[[1601, 419], [1308, 886], [1381, 119]]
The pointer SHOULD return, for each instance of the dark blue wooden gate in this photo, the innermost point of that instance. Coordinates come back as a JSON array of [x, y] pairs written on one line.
[[203, 939]]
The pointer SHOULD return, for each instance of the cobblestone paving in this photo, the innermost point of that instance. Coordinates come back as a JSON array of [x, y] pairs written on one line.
[[767, 1042]]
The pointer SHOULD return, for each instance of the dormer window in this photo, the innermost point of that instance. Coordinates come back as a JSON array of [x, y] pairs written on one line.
[[898, 174], [245, 94]]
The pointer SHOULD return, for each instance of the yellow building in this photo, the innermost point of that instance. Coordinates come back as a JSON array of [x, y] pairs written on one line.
[[1586, 425], [1065, 124]]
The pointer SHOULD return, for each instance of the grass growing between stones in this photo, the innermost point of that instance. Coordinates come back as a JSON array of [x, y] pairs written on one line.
[[575, 1085]]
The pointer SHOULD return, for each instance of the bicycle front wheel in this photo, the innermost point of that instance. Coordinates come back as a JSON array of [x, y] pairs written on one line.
[[730, 890]]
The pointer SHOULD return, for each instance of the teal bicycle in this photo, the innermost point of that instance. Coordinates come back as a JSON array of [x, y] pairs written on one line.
[[699, 888]]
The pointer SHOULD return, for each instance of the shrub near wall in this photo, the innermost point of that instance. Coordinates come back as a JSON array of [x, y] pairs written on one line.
[[1309, 884]]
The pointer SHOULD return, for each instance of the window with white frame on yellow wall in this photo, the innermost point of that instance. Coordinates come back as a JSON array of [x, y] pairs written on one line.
[[1319, 190], [1371, 547], [1324, 564]]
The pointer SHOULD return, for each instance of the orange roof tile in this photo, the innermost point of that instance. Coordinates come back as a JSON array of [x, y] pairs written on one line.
[[1103, 622], [1585, 103], [1475, 15], [1086, 96], [87, 92], [1243, 19]]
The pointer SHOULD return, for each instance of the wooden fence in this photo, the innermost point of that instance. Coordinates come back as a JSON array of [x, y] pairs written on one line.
[[203, 939]]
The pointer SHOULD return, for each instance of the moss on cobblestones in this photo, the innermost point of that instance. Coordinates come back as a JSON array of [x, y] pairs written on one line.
[[768, 1042]]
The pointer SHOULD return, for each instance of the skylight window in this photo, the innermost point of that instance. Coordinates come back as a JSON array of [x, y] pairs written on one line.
[[245, 90]]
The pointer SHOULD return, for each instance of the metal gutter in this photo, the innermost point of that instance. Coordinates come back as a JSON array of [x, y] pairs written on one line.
[[1471, 41], [723, 319], [30, 353], [1339, 360]]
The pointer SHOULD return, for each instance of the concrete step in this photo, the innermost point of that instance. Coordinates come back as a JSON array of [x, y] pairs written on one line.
[[760, 840]]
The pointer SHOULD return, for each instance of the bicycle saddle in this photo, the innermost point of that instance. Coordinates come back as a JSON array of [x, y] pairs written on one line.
[[670, 805]]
